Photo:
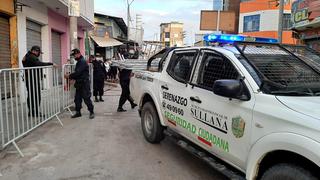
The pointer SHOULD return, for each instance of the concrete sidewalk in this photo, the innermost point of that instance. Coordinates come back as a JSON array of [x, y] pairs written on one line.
[[109, 147]]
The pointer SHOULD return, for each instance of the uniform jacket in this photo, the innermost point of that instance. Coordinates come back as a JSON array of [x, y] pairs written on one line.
[[81, 74], [30, 60], [99, 70]]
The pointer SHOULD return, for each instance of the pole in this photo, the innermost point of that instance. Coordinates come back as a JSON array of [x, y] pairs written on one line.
[[280, 26], [219, 13], [73, 33], [128, 19]]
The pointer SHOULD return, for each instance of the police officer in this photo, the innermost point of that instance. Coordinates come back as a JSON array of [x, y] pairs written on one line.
[[82, 84], [33, 79], [124, 76], [99, 74]]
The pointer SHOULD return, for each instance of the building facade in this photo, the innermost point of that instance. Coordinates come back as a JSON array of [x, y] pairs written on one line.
[[46, 23], [108, 34], [261, 17], [8, 35], [306, 22], [172, 34]]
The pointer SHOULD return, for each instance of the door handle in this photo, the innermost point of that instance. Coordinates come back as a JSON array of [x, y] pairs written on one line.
[[165, 87], [195, 99]]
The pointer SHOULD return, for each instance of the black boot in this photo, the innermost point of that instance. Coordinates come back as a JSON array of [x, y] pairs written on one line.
[[96, 99], [101, 99], [120, 109], [91, 116], [133, 105], [76, 115]]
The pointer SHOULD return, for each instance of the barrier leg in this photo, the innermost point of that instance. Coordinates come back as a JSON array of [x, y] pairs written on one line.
[[70, 111], [59, 120], [17, 148]]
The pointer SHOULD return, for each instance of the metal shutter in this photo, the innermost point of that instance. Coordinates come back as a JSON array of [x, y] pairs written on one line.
[[5, 60], [5, 54], [56, 50], [56, 47], [33, 35]]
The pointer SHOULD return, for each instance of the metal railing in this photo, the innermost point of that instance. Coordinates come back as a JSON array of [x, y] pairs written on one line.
[[29, 98]]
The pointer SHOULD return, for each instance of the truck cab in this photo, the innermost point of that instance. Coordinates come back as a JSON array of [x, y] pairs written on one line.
[[251, 102]]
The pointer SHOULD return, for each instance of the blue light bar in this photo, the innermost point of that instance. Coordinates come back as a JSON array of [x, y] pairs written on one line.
[[229, 38]]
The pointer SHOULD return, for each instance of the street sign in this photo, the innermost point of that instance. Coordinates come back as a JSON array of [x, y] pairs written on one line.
[[74, 8]]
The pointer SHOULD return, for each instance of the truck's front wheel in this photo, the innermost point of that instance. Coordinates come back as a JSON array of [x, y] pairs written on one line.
[[151, 127], [287, 172]]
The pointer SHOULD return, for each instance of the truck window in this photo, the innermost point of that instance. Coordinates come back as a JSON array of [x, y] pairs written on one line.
[[181, 65], [214, 67], [284, 73]]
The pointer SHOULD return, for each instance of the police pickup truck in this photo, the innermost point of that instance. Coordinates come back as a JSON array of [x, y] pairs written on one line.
[[250, 103]]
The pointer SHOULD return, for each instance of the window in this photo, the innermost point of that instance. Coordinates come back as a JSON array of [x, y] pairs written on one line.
[[167, 34], [181, 64], [251, 23], [100, 31], [167, 44], [215, 67], [286, 21]]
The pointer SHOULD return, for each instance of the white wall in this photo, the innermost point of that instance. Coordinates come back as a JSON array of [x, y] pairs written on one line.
[[37, 13], [268, 19], [87, 10]]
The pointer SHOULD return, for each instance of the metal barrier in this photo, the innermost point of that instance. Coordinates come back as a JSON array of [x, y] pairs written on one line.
[[68, 88], [29, 98]]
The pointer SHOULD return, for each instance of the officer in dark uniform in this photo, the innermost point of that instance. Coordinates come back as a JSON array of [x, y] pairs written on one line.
[[82, 84], [99, 74], [124, 76], [33, 78]]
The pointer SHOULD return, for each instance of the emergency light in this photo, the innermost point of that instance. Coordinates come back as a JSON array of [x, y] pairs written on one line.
[[229, 38]]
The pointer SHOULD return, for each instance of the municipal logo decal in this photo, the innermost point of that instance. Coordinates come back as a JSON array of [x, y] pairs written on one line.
[[238, 126]]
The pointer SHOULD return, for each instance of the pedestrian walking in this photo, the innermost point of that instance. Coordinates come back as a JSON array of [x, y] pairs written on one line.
[[99, 75], [33, 78], [82, 84], [124, 76]]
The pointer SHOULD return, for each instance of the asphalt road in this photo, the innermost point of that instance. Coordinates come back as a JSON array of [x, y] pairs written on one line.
[[109, 147]]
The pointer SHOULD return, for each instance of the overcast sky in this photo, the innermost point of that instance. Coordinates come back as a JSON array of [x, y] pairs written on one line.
[[155, 12]]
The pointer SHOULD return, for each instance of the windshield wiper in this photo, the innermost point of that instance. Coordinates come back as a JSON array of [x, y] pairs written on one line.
[[292, 93]]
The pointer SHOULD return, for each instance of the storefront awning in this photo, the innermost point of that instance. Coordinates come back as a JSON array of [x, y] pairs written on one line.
[[106, 42]]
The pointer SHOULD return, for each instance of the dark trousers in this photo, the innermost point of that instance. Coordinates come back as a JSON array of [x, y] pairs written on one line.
[[84, 93], [125, 94], [34, 97], [98, 85]]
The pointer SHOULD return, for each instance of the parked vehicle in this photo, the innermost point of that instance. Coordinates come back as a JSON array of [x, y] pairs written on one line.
[[251, 102]]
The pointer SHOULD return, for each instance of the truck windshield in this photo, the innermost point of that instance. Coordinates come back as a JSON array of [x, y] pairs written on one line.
[[283, 70]]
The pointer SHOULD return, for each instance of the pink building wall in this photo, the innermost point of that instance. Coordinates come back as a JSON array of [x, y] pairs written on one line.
[[59, 23]]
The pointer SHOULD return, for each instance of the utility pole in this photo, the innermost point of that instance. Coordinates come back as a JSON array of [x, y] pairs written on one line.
[[220, 8], [280, 26], [128, 17], [138, 29]]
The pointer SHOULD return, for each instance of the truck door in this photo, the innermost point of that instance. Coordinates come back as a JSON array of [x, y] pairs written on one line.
[[173, 86], [223, 125]]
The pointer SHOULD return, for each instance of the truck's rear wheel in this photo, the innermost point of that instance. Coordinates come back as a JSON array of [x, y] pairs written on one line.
[[150, 123], [287, 172]]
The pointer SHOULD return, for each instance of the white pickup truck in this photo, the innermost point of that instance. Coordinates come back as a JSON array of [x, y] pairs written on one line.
[[253, 105]]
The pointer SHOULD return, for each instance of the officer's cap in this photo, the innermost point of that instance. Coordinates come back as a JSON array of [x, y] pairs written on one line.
[[36, 48], [74, 51]]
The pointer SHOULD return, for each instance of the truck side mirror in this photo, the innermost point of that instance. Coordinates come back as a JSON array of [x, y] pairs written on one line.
[[230, 88]]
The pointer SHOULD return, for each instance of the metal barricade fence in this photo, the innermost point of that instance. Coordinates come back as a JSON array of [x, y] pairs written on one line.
[[29, 98], [68, 86]]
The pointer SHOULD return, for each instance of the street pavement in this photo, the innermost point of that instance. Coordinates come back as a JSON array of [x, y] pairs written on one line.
[[109, 147]]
